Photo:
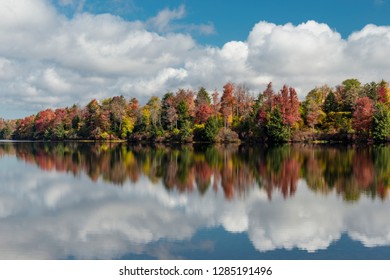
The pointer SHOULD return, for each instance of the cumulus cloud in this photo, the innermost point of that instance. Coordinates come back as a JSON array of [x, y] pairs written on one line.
[[295, 52], [140, 59]]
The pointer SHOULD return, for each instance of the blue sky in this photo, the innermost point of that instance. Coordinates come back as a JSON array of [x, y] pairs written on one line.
[[232, 20], [55, 53]]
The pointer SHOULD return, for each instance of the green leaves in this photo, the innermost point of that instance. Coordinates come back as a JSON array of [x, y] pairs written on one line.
[[277, 131], [381, 123]]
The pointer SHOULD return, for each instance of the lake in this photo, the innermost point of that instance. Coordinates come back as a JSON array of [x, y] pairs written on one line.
[[117, 201]]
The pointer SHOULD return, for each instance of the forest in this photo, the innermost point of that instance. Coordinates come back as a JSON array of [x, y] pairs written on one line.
[[347, 112]]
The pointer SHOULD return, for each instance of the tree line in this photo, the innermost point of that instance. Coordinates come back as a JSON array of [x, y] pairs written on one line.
[[349, 111]]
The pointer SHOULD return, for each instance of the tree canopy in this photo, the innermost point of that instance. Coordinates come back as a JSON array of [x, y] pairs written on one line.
[[350, 109]]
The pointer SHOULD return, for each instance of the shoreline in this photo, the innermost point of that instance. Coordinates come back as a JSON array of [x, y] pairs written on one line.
[[313, 138]]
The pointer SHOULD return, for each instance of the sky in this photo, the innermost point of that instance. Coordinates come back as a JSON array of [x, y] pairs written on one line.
[[56, 53]]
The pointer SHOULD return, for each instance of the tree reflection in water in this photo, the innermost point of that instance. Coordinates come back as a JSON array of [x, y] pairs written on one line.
[[350, 171]]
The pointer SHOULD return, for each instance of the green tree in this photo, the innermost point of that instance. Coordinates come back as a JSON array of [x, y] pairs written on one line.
[[339, 122], [186, 132], [381, 123], [277, 131], [154, 104], [182, 114], [117, 110], [330, 103], [6, 128], [348, 93], [168, 111], [370, 90], [350, 84], [211, 129], [202, 97]]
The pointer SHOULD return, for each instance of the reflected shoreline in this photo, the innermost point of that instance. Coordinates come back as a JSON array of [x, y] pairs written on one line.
[[348, 170]]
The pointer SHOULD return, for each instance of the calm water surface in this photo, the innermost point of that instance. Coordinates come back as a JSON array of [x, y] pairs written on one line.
[[115, 201]]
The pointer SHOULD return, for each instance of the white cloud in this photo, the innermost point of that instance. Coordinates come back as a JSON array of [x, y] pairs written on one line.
[[25, 15], [371, 44], [162, 21], [148, 58], [303, 56], [166, 79], [54, 82], [7, 70]]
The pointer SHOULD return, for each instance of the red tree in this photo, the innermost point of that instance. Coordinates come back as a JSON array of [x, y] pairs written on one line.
[[363, 114], [203, 112], [227, 103], [25, 128], [288, 104], [203, 109], [292, 114], [216, 104], [43, 122], [267, 100]]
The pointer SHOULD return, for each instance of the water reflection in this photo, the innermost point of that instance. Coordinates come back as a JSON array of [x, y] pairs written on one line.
[[280, 198], [348, 171]]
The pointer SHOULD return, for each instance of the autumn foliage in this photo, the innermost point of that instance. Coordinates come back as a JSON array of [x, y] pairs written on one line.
[[346, 112], [363, 115]]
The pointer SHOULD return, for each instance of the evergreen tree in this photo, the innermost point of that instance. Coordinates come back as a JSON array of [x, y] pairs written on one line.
[[202, 97], [277, 131], [330, 104], [211, 129], [381, 123]]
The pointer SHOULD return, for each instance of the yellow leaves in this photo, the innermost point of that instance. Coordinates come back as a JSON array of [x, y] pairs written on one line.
[[146, 115], [146, 166], [104, 147], [128, 158], [176, 131], [321, 117], [127, 126], [230, 119], [340, 121], [199, 126], [104, 136], [387, 94], [229, 164]]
